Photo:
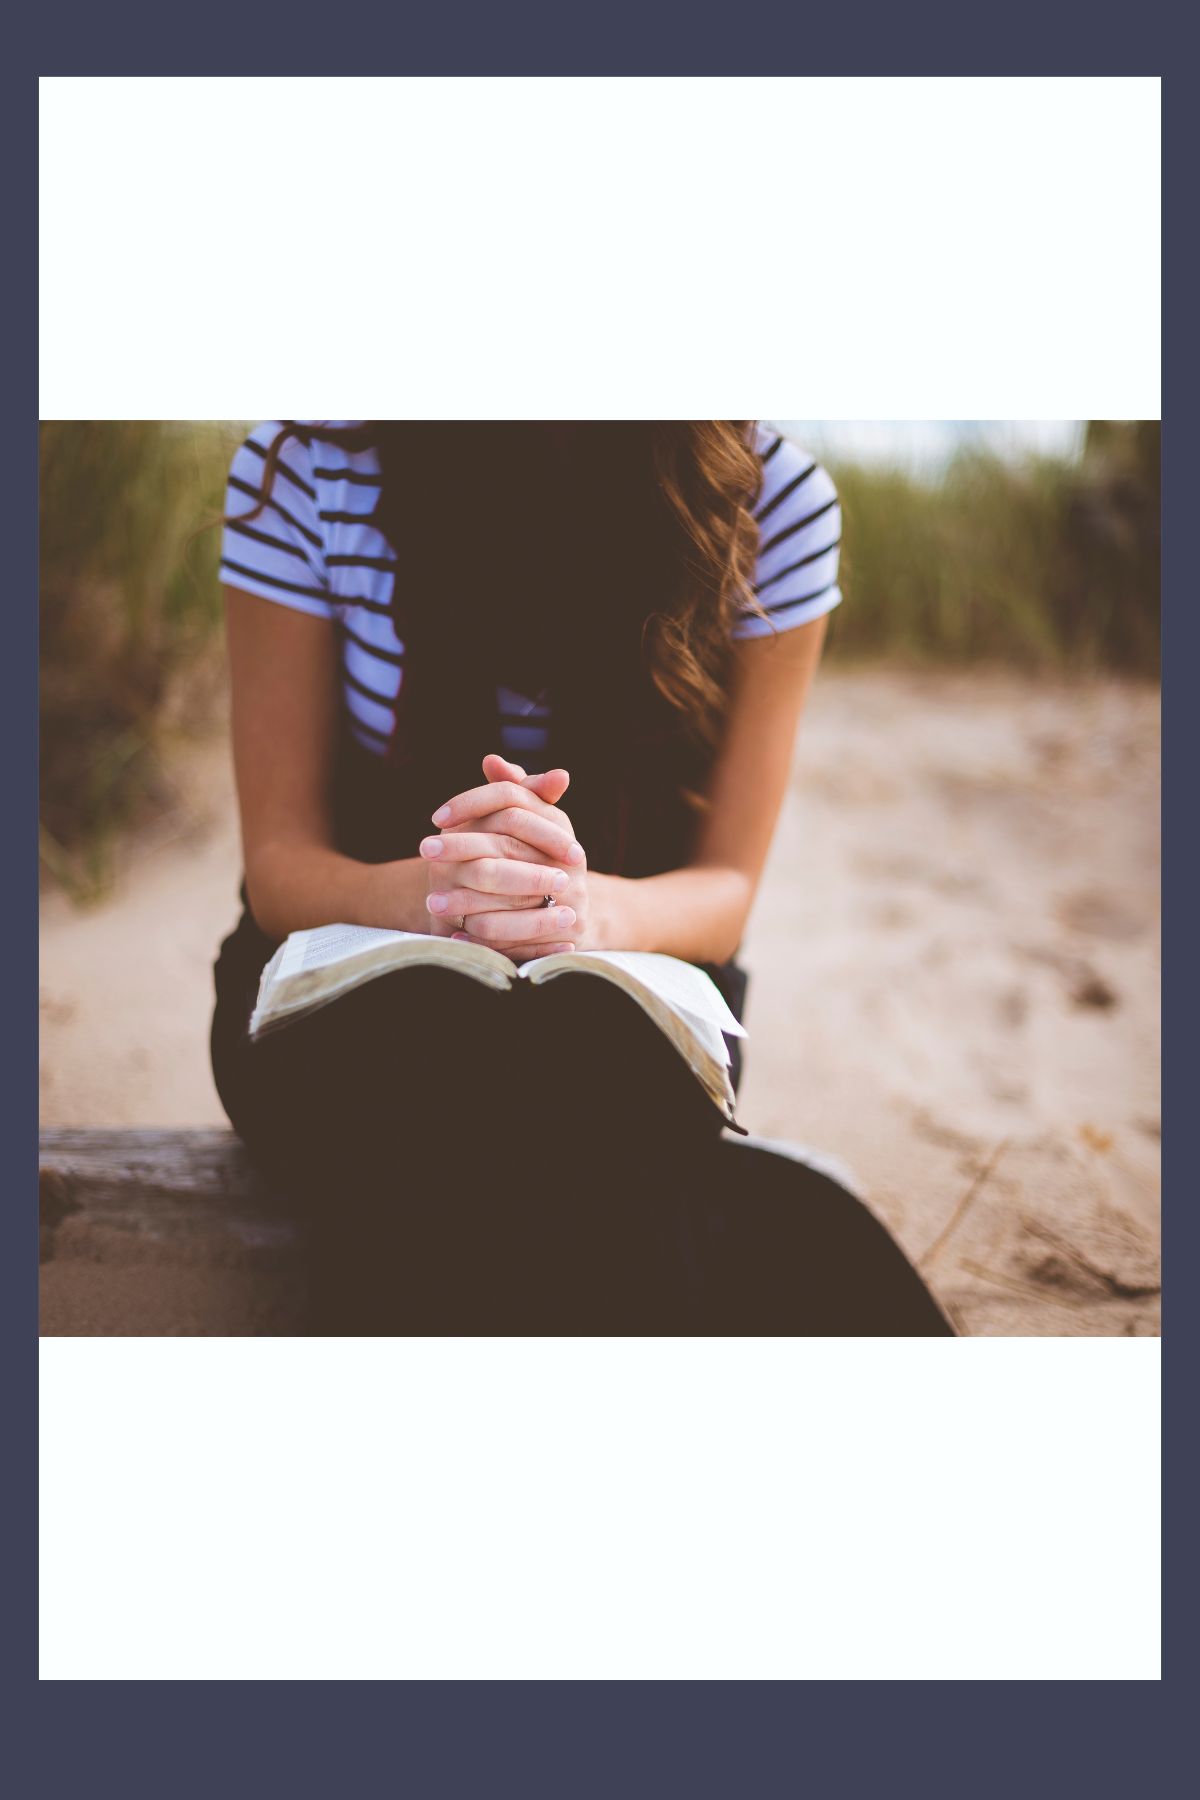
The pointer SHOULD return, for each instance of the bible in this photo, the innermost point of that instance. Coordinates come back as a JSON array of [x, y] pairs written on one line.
[[313, 967]]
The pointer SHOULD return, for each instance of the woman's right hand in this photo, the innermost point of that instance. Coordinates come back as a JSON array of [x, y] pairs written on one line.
[[509, 857]]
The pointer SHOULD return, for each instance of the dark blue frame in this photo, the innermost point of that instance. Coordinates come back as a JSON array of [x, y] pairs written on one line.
[[573, 1739]]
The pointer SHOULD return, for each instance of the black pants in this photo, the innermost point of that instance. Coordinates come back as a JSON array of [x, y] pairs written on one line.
[[535, 1162]]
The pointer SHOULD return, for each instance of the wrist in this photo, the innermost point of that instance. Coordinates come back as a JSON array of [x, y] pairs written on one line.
[[291, 887], [391, 895], [611, 916]]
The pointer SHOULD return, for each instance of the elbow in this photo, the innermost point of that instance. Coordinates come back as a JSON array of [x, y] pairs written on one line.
[[267, 895], [731, 922], [725, 948], [268, 916]]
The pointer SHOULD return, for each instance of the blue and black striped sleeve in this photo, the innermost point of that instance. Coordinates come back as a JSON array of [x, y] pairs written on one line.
[[800, 530], [276, 551]]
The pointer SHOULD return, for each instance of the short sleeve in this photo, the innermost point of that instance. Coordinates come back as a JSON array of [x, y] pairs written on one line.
[[800, 528], [275, 548]]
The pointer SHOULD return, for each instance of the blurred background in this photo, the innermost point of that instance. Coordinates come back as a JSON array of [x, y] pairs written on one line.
[[954, 957]]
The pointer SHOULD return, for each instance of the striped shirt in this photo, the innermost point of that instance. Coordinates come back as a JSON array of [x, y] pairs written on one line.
[[313, 547]]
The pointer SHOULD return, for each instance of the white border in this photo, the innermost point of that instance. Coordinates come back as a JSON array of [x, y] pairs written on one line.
[[465, 247], [568, 1509], [849, 249]]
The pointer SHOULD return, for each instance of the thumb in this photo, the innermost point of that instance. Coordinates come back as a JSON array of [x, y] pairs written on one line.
[[550, 786], [498, 768]]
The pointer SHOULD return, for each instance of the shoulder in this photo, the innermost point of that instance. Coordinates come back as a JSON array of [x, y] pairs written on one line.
[[273, 542], [309, 454], [289, 442], [799, 522], [794, 485], [341, 451]]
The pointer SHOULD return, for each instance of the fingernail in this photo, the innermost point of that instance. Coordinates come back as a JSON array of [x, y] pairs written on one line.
[[437, 903], [575, 853], [566, 916], [459, 937], [439, 817], [431, 846], [558, 881]]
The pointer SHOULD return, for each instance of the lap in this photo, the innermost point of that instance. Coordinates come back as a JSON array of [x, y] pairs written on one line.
[[475, 1160], [542, 1160], [424, 1058]]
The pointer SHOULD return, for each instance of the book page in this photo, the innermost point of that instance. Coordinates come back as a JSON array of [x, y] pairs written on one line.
[[680, 985], [328, 944], [314, 967]]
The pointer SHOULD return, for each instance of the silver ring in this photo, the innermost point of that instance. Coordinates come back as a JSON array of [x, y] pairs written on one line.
[[547, 899]]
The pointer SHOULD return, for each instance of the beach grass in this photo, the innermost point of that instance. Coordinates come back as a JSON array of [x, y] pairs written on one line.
[[130, 617], [1045, 565]]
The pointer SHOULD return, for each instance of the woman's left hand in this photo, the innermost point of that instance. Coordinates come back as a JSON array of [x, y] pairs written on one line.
[[520, 928]]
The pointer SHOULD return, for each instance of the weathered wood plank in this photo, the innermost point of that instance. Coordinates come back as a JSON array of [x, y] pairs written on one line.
[[165, 1162], [163, 1232], [170, 1181]]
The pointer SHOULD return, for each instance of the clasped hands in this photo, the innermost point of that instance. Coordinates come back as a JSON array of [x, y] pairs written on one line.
[[501, 848]]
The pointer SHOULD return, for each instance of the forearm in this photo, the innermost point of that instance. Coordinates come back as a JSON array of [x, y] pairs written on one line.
[[294, 886], [698, 913]]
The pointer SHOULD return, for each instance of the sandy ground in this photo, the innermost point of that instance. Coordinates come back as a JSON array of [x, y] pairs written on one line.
[[954, 982]]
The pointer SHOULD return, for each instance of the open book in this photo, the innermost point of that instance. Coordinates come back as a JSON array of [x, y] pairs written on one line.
[[314, 967]]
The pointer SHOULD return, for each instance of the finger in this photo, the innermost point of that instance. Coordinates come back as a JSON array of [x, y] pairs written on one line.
[[524, 827], [498, 768], [517, 832], [504, 876], [541, 924], [495, 796], [464, 903], [549, 787], [448, 903], [544, 843], [454, 903]]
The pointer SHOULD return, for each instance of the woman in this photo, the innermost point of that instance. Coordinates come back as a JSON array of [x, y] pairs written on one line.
[[533, 685]]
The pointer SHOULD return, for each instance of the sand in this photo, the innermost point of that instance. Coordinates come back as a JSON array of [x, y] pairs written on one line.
[[954, 981]]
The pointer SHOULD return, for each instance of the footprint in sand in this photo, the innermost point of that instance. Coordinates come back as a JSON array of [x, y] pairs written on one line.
[[1101, 915]]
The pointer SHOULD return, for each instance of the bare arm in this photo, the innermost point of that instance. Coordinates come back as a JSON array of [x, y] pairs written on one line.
[[700, 912], [284, 668]]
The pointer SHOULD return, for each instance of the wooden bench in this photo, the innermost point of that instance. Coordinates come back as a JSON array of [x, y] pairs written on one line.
[[173, 1233], [163, 1234]]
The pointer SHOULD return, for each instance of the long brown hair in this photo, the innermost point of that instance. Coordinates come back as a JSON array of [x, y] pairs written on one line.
[[603, 563]]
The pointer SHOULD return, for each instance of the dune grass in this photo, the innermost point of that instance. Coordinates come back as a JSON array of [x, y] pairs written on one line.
[[1048, 566], [129, 620]]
